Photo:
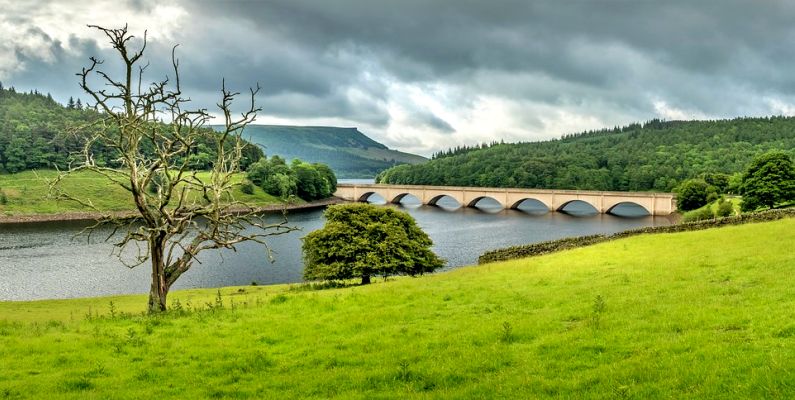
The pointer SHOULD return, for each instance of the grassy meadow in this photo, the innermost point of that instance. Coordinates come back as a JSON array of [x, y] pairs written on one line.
[[27, 193], [706, 314]]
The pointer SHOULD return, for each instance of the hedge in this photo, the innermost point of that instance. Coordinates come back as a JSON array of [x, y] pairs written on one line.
[[537, 249]]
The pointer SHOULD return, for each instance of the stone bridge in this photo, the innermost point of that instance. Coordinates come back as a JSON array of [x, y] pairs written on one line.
[[555, 200]]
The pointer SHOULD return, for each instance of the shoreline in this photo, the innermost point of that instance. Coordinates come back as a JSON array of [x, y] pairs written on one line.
[[94, 215]]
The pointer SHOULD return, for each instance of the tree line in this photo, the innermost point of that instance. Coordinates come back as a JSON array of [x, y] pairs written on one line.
[[37, 132], [654, 156]]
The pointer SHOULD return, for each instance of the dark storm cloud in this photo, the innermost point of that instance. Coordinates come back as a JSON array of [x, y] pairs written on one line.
[[549, 64], [428, 41]]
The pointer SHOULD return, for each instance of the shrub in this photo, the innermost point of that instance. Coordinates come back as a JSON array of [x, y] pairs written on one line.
[[725, 209], [701, 214], [247, 188], [693, 194]]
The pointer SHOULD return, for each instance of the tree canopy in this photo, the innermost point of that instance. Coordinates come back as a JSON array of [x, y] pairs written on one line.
[[307, 181], [693, 193], [363, 240], [768, 181], [655, 156]]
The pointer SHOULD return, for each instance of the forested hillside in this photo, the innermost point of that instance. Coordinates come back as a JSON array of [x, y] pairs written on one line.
[[350, 153], [36, 132], [655, 156]]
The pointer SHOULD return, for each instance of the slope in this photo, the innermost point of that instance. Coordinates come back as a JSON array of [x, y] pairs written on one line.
[[350, 153], [655, 156], [706, 314]]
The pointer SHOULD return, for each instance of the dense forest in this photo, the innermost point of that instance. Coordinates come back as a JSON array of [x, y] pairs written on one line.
[[656, 155], [36, 132], [349, 152]]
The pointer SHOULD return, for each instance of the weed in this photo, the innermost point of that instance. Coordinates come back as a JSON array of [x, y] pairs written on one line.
[[599, 307], [112, 309], [79, 384], [219, 302], [404, 373], [279, 299], [506, 335], [176, 307]]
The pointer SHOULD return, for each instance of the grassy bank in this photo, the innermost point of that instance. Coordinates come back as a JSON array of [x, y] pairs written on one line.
[[704, 314], [27, 193]]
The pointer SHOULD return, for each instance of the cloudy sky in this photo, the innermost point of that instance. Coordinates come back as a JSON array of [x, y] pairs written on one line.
[[422, 75]]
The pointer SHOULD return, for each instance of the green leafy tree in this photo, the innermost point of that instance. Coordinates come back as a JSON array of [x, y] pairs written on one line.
[[16, 154], [768, 181], [692, 194], [362, 240]]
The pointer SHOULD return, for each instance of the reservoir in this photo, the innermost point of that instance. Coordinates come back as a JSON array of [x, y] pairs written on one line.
[[50, 260]]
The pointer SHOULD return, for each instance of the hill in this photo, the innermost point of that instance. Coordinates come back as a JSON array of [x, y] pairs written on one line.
[[708, 320], [655, 156], [36, 132], [349, 152]]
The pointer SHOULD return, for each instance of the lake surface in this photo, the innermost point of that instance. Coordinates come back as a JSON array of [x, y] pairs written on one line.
[[47, 260]]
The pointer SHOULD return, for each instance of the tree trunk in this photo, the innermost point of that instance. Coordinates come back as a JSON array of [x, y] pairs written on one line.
[[365, 279], [159, 289]]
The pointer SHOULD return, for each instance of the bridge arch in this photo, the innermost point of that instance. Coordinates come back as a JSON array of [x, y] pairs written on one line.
[[399, 198], [530, 200], [610, 210], [435, 200], [474, 202], [594, 207], [365, 197]]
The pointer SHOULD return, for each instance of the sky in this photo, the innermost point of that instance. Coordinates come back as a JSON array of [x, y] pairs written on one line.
[[425, 75]]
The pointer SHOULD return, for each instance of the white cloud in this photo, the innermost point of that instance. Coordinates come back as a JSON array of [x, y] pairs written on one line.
[[32, 31], [669, 112]]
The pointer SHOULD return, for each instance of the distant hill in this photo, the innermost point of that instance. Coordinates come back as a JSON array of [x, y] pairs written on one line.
[[655, 156], [350, 153]]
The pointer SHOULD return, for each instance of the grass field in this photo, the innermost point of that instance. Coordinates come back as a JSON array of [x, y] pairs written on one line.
[[27, 193], [707, 314]]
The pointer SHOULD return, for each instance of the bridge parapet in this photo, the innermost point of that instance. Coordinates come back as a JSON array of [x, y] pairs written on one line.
[[659, 204]]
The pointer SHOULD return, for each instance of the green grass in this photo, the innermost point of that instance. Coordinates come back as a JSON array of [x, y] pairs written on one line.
[[706, 314], [27, 193], [712, 208]]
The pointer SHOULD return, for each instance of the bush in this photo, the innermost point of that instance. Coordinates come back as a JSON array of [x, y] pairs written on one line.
[[247, 188], [362, 240], [725, 209], [159, 180], [693, 194], [701, 214]]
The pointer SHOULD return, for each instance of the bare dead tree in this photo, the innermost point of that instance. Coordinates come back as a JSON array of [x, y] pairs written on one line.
[[150, 130]]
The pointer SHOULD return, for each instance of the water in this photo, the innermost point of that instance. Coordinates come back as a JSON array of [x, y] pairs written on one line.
[[46, 260]]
